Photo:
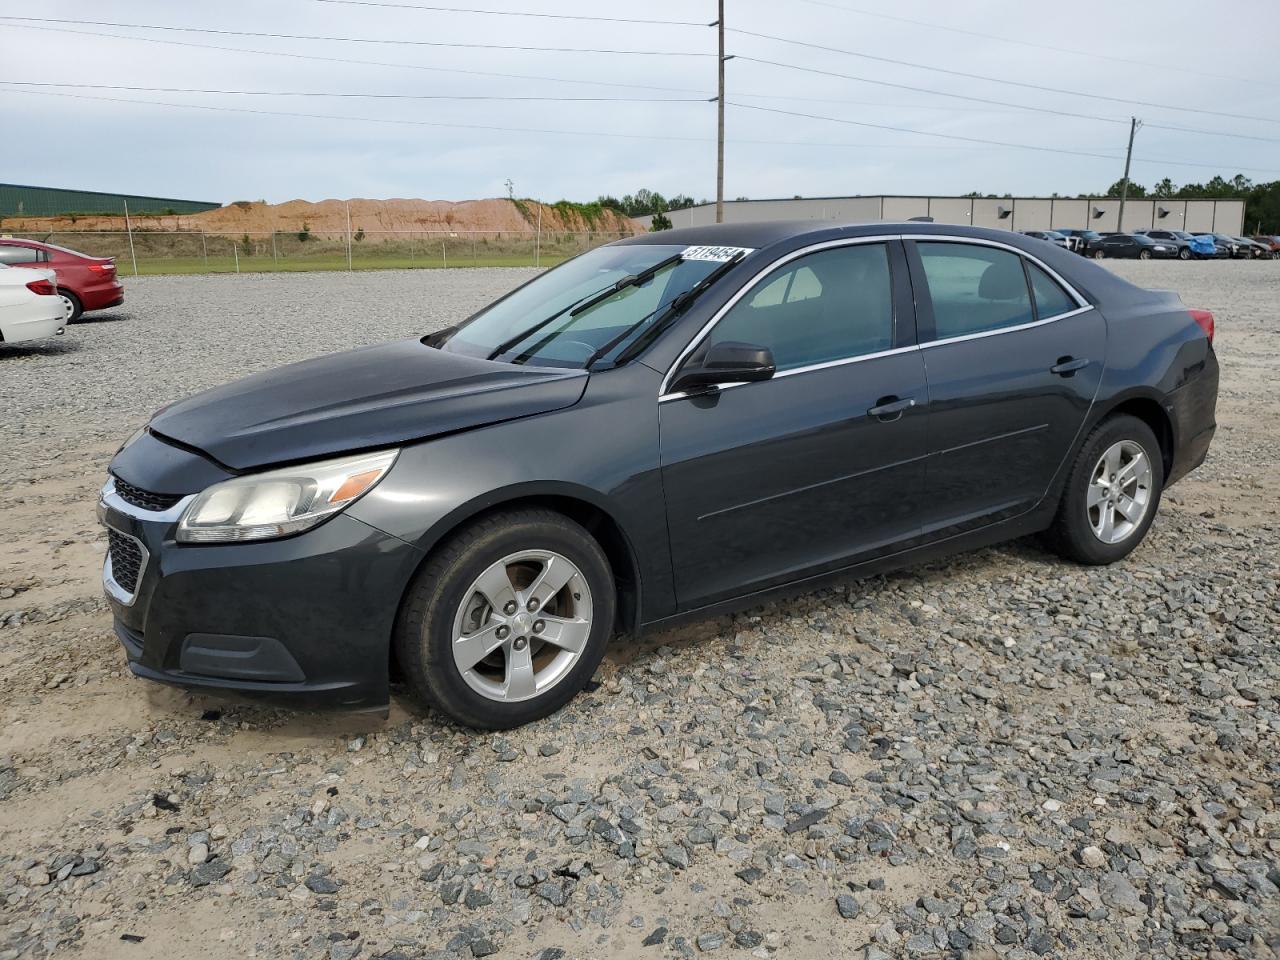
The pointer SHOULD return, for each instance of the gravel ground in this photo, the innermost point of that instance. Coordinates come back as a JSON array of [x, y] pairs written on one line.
[[999, 755]]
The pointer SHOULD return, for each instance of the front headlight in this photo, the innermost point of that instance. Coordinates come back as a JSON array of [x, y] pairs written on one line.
[[280, 502]]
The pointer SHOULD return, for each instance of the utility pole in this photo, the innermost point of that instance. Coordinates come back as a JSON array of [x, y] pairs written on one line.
[[348, 208], [128, 226], [720, 120], [1134, 124]]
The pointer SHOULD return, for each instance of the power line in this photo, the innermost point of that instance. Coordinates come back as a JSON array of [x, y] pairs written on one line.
[[961, 96], [976, 76], [1022, 43], [353, 96], [378, 40], [514, 13], [994, 143], [928, 90], [489, 127], [348, 60]]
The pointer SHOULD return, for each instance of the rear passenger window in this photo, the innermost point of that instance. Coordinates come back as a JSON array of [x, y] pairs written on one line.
[[831, 305], [17, 255], [1051, 299], [974, 289]]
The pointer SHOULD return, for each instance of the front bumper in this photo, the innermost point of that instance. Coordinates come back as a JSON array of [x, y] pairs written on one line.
[[305, 621]]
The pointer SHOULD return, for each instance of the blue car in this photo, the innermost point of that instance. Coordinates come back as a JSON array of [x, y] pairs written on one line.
[[1190, 246]]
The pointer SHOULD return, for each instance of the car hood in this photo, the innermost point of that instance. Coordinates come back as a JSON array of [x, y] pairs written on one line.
[[378, 396]]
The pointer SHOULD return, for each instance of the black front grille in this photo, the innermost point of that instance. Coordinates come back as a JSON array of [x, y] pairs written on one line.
[[145, 499], [126, 560]]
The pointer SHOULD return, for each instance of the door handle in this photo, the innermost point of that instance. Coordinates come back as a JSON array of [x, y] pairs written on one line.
[[891, 408], [1067, 366]]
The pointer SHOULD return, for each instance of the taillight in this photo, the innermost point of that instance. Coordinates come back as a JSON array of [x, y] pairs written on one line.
[[43, 287], [1205, 319], [102, 267]]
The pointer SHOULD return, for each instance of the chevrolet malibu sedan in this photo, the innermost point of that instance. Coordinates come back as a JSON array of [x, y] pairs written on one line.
[[672, 426]]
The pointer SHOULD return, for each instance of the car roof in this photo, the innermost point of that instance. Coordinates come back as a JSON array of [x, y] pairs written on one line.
[[762, 234]]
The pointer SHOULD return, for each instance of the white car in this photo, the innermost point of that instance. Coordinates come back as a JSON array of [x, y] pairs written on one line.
[[30, 308]]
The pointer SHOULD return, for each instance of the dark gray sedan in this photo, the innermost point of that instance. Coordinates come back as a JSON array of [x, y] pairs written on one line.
[[674, 425]]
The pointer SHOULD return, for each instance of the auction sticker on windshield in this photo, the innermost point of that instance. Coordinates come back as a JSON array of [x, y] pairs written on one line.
[[717, 254]]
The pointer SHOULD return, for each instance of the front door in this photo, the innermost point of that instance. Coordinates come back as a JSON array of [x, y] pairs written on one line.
[[768, 482], [1013, 362]]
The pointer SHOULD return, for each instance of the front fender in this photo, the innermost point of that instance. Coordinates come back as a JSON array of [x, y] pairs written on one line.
[[602, 452]]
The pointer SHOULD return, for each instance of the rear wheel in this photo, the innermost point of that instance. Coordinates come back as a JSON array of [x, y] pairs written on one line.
[[71, 306], [508, 620], [1098, 254], [1112, 493]]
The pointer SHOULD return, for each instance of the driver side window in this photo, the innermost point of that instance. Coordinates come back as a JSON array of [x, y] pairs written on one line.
[[831, 305]]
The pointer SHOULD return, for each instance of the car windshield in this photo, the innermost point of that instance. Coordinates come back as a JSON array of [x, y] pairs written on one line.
[[516, 328]]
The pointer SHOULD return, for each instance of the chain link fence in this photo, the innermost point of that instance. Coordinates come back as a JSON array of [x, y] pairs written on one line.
[[142, 251]]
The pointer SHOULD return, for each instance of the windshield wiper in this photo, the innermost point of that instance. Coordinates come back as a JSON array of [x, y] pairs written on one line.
[[634, 280], [674, 309], [584, 304]]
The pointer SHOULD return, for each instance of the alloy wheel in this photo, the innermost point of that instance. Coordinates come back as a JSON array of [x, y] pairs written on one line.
[[1119, 493], [522, 625]]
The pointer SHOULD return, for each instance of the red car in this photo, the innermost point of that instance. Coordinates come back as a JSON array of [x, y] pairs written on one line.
[[84, 282]]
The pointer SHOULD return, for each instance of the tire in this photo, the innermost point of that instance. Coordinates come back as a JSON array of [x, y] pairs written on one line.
[[1144, 254], [72, 303], [444, 599], [1184, 253], [1073, 534], [1097, 254]]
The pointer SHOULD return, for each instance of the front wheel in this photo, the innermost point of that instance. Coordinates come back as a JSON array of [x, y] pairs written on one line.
[[1098, 254], [508, 620], [1144, 254], [1112, 493], [1184, 253]]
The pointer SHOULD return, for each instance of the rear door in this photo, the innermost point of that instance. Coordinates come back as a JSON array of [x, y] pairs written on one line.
[[768, 482], [1013, 359]]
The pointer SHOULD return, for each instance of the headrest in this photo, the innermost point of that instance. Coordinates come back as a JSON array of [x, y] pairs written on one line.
[[1003, 280]]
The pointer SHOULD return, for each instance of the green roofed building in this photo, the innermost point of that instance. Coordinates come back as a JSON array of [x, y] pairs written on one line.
[[17, 200]]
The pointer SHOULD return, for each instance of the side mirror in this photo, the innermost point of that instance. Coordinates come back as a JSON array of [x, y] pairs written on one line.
[[728, 362]]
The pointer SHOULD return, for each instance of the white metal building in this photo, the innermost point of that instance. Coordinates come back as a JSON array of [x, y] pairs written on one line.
[[1010, 213]]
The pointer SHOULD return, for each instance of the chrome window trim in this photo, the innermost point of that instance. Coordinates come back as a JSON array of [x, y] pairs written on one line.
[[701, 335], [1083, 305], [982, 334]]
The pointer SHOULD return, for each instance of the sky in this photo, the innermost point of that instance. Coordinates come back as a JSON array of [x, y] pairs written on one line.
[[612, 138]]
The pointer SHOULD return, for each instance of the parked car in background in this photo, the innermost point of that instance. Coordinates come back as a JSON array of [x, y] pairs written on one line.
[[1271, 243], [29, 305], [1190, 247], [1255, 250], [1133, 246], [1052, 236], [84, 283], [674, 425], [1084, 240], [1227, 246]]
